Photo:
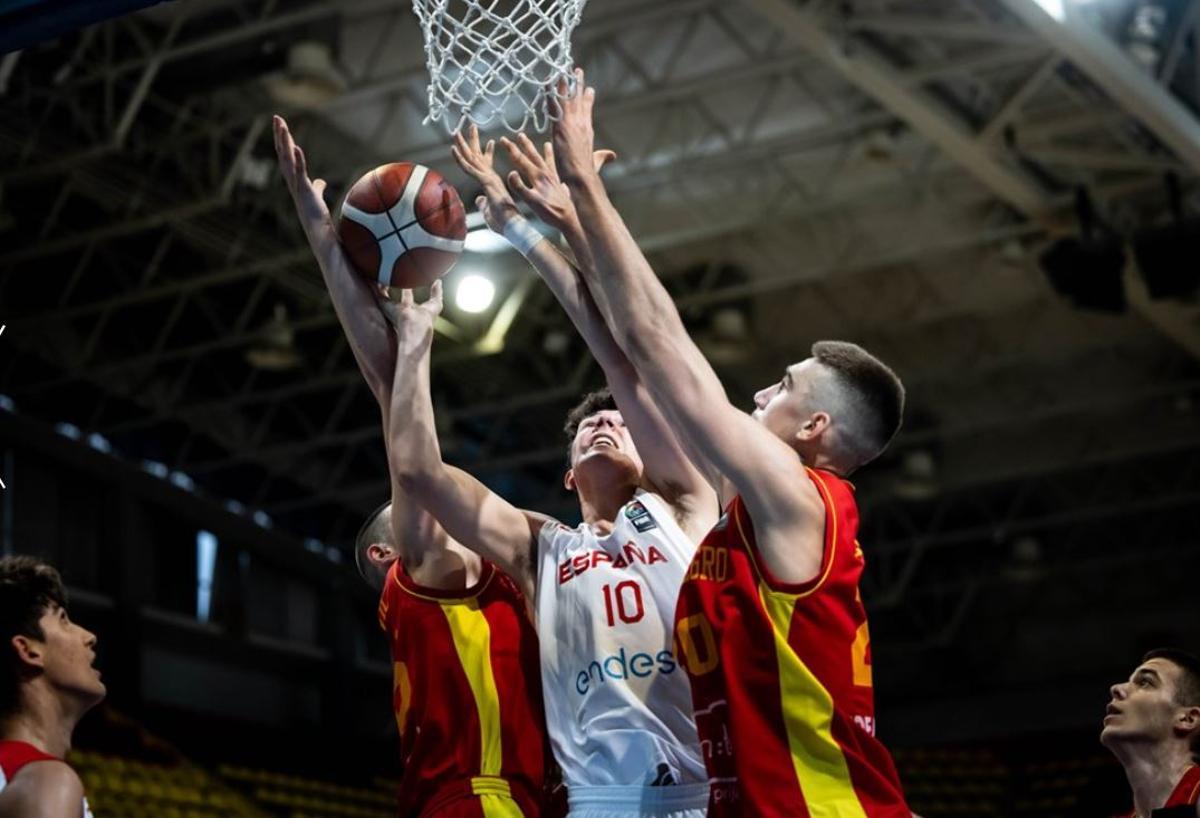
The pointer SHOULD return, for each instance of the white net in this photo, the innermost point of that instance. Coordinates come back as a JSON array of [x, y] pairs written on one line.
[[497, 61]]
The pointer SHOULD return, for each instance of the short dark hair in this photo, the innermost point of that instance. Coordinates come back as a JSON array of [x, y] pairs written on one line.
[[1187, 691], [376, 529], [28, 588], [599, 401], [876, 391]]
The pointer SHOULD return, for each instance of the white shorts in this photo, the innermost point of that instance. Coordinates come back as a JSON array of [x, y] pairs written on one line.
[[676, 801]]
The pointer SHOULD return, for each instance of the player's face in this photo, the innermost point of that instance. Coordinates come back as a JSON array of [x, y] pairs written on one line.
[[602, 437], [783, 406], [69, 656], [1143, 708]]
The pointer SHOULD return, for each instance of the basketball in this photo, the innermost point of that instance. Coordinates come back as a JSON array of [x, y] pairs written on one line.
[[403, 225]]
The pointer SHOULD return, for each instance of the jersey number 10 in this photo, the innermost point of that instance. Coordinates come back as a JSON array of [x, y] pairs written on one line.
[[626, 598]]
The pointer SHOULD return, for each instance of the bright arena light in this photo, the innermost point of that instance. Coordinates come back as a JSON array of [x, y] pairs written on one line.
[[474, 293]]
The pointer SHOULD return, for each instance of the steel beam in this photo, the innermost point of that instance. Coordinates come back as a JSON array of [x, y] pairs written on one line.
[[929, 117], [1066, 30]]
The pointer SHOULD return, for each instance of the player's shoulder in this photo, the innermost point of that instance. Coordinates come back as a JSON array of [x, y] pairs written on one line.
[[44, 787], [811, 497], [52, 772]]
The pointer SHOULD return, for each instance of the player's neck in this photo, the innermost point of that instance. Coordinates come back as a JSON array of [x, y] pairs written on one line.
[[1153, 770], [600, 508], [46, 721], [817, 459], [603, 488], [452, 568]]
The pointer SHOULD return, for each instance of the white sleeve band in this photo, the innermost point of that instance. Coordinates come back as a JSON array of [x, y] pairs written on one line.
[[522, 235]]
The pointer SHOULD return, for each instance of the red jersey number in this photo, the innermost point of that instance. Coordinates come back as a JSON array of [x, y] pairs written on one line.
[[626, 598]]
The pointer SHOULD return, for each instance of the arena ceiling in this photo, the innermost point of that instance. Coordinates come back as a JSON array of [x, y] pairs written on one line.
[[885, 171]]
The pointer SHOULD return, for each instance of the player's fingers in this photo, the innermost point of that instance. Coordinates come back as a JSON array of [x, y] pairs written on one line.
[[517, 185], [511, 147], [529, 149], [490, 150], [319, 188], [289, 144], [301, 163], [435, 297], [518, 157], [406, 297], [580, 85], [474, 137], [281, 133]]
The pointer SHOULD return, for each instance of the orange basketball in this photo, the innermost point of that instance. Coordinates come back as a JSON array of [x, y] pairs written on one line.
[[403, 225]]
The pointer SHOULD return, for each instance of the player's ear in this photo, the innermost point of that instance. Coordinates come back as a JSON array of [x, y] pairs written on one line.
[[1187, 722], [378, 552], [813, 426], [569, 480], [29, 651]]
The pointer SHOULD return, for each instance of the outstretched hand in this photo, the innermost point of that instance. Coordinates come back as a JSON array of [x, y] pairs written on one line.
[[414, 322], [573, 132], [308, 195], [536, 181], [496, 204]]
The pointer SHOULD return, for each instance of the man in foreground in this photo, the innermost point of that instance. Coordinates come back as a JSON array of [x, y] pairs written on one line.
[[47, 684], [770, 625], [1152, 726], [466, 688], [618, 706]]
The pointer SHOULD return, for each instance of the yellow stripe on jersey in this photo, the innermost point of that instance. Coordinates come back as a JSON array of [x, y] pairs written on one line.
[[495, 797], [821, 769], [473, 641], [401, 683]]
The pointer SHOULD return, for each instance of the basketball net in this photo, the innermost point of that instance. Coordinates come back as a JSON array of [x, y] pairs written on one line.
[[497, 61]]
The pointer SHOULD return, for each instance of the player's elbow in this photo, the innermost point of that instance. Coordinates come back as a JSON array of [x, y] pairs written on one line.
[[412, 476], [415, 469]]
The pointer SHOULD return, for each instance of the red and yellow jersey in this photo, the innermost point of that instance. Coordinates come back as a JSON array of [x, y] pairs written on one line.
[[1185, 794], [467, 696], [781, 675]]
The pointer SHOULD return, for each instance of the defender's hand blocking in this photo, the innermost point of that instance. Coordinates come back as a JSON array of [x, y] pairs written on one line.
[[573, 133], [537, 183], [496, 205], [414, 322]]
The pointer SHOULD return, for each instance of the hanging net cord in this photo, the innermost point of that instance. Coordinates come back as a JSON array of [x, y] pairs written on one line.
[[497, 60]]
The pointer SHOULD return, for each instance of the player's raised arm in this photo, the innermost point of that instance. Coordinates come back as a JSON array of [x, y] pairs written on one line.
[[357, 307], [766, 471], [353, 299], [469, 511], [668, 471]]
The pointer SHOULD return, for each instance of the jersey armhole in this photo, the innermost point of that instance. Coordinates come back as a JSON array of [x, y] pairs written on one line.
[[796, 590], [542, 546]]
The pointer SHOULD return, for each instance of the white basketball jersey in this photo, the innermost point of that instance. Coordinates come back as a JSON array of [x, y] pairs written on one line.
[[618, 705]]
